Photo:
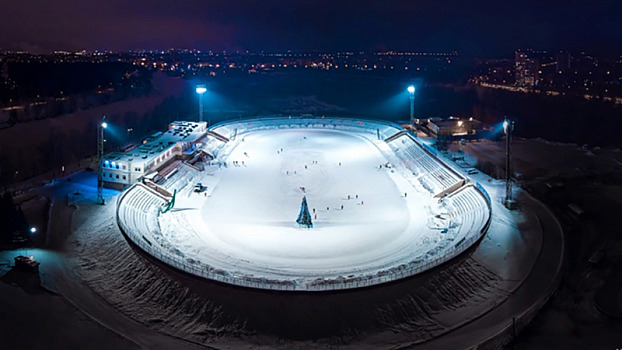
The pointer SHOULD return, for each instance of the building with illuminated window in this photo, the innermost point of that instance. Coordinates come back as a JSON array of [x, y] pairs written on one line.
[[454, 128], [526, 69], [122, 169]]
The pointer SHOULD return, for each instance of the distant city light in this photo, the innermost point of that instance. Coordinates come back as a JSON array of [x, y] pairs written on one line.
[[201, 89]]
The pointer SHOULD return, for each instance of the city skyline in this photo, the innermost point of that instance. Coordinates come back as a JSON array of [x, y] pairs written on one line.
[[485, 28]]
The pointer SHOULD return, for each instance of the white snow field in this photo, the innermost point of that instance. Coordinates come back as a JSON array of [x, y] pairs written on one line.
[[383, 207]]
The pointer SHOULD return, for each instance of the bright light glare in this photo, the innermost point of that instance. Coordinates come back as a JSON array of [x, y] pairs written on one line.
[[411, 89], [104, 125], [460, 123], [201, 89], [505, 126], [33, 229]]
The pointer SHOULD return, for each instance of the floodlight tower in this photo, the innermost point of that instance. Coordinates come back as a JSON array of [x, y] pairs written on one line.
[[411, 92], [200, 89], [100, 156], [508, 127]]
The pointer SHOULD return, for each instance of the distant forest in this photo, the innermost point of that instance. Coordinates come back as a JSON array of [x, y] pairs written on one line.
[[28, 80]]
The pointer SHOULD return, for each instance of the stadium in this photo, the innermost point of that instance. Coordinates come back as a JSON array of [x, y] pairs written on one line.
[[379, 205]]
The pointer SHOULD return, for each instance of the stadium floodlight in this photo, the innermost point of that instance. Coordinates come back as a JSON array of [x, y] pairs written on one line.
[[200, 89]]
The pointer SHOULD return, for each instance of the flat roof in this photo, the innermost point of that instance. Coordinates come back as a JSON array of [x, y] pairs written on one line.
[[156, 144]]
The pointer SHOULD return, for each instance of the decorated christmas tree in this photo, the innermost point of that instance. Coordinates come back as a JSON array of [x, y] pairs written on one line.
[[304, 218]]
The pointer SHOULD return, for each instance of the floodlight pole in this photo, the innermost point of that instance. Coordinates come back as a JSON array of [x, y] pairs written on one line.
[[411, 91], [508, 127], [100, 159], [200, 90], [200, 107]]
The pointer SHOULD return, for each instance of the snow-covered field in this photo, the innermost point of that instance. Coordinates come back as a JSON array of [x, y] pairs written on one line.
[[376, 208]]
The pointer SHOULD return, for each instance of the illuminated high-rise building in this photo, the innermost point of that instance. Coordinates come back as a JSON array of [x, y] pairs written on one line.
[[526, 70]]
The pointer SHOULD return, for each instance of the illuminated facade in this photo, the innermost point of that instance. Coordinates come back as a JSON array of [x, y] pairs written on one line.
[[122, 169], [453, 127], [526, 70]]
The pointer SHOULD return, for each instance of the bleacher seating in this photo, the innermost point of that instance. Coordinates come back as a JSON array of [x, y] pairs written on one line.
[[470, 207], [138, 211], [433, 174]]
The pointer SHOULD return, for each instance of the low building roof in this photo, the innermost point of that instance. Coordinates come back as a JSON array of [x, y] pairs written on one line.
[[156, 144]]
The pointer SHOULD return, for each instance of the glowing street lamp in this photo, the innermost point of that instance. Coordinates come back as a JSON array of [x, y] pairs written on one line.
[[100, 155], [33, 229], [201, 89], [411, 91]]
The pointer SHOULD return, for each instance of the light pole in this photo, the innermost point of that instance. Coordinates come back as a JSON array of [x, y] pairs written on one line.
[[201, 89], [100, 155], [508, 127], [411, 91]]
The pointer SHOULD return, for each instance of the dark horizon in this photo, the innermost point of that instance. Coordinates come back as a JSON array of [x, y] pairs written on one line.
[[485, 28]]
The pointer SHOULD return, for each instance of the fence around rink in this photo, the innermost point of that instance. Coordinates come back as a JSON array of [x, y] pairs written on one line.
[[231, 129], [400, 271]]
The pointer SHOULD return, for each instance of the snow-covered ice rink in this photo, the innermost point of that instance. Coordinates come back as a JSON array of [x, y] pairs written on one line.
[[377, 210]]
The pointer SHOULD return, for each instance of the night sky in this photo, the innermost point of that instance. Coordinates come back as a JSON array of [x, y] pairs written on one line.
[[479, 27]]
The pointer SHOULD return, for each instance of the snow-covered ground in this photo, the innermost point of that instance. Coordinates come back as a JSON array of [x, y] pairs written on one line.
[[372, 223]]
